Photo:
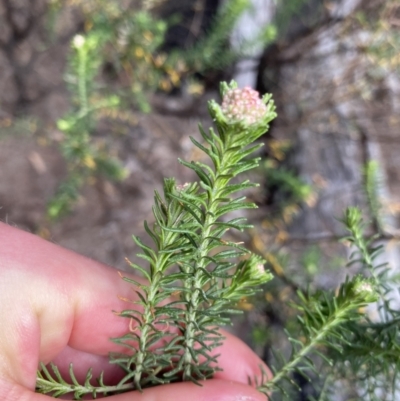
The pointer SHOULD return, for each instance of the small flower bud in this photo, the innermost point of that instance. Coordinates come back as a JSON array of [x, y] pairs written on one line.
[[253, 272], [250, 274], [78, 41], [258, 273], [365, 289], [182, 187]]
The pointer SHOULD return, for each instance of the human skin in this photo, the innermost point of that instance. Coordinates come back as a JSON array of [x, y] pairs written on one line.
[[56, 306]]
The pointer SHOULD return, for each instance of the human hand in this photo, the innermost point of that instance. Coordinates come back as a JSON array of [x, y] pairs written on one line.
[[56, 307]]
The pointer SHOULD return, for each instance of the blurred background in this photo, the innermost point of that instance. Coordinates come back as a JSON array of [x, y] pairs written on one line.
[[98, 99]]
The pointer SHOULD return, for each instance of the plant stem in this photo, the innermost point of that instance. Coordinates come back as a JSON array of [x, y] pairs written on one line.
[[67, 388], [197, 284], [147, 320], [82, 89]]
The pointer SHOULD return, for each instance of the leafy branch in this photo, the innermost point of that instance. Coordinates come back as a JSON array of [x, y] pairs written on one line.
[[195, 276], [322, 317], [187, 234], [328, 321], [84, 159], [52, 382]]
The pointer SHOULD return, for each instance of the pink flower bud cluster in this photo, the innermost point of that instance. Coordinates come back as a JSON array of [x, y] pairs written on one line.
[[243, 105]]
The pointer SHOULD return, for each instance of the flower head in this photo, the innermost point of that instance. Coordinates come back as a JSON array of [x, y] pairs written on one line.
[[244, 111], [243, 105]]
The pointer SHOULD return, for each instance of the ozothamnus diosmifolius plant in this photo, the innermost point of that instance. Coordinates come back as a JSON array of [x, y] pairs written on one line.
[[195, 275]]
